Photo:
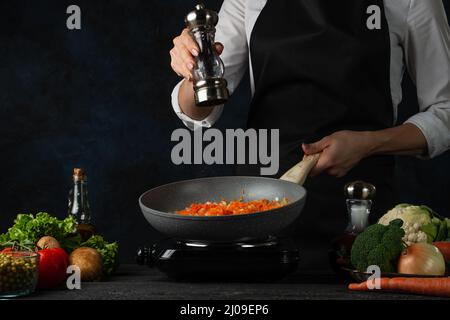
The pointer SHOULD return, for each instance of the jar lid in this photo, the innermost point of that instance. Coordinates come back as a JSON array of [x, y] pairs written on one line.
[[360, 190], [201, 17]]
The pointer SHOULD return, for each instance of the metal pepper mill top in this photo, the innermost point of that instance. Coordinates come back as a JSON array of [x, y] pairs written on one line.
[[209, 85], [360, 190]]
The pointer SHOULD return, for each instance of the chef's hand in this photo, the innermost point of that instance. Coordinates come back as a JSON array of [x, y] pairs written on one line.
[[183, 54], [341, 151]]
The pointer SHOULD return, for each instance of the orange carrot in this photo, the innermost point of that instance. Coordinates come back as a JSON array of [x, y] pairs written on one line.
[[384, 282], [425, 286], [444, 248]]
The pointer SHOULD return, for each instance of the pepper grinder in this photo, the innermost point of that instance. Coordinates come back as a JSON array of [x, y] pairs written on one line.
[[359, 196], [210, 87]]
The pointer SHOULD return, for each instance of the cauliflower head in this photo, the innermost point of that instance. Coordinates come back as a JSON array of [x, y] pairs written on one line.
[[416, 220]]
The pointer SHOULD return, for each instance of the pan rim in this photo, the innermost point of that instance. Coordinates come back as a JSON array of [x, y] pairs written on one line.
[[220, 218]]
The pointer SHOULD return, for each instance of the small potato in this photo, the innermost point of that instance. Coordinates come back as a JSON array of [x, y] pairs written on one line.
[[90, 263], [48, 242]]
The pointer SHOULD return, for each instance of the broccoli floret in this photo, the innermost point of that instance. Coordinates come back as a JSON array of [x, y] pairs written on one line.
[[380, 257], [378, 245], [394, 238], [364, 243]]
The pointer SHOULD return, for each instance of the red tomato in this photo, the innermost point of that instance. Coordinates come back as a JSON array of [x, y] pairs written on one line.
[[63, 254], [7, 250], [53, 265]]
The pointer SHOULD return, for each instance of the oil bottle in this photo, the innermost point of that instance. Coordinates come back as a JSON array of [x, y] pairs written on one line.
[[79, 204], [359, 196]]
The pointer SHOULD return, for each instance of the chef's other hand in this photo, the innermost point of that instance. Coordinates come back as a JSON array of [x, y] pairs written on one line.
[[341, 151], [183, 54]]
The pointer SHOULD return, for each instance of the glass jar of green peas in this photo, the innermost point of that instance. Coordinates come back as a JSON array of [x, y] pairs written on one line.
[[19, 271]]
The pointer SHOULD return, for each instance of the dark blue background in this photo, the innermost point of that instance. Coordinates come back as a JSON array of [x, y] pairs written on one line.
[[99, 98]]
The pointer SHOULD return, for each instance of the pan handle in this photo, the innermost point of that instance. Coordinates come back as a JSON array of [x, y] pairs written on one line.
[[299, 172]]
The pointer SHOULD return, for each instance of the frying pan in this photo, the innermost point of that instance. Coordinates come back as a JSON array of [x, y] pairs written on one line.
[[159, 205]]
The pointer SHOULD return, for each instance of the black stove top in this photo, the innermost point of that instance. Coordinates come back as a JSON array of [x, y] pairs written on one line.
[[254, 260]]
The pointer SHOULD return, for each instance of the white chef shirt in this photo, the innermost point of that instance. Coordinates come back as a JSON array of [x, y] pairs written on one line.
[[420, 44]]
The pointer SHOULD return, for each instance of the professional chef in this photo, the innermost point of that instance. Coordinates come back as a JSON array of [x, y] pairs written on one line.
[[331, 83]]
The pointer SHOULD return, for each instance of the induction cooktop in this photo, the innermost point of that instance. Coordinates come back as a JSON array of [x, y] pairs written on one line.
[[255, 260]]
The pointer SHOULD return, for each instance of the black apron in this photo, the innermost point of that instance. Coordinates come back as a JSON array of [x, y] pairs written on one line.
[[318, 69]]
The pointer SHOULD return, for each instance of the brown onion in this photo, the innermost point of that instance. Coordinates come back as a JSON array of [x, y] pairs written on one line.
[[422, 259]]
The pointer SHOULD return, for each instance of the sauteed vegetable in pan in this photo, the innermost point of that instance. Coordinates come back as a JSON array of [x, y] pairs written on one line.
[[224, 208]]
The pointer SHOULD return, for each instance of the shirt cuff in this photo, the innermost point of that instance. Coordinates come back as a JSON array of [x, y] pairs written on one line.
[[436, 133], [193, 124]]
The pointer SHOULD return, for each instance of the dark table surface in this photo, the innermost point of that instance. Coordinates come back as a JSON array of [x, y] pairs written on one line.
[[141, 282]]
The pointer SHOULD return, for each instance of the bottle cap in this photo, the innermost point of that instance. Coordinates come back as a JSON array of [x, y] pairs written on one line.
[[79, 174], [360, 190]]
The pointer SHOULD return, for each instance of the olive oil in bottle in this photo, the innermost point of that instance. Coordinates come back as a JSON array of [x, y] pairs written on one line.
[[79, 204]]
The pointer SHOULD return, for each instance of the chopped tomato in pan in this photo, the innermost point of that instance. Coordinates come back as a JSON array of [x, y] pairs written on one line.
[[224, 208]]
